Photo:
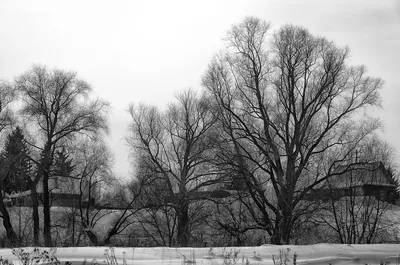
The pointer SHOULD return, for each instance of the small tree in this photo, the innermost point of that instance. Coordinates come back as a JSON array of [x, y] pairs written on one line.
[[101, 195], [158, 220], [93, 162]]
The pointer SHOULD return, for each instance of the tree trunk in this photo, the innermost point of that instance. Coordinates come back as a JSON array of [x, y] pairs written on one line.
[[282, 230], [46, 210], [73, 229], [108, 239], [183, 225], [35, 215], [276, 238], [287, 229], [110, 234], [92, 236], [11, 235]]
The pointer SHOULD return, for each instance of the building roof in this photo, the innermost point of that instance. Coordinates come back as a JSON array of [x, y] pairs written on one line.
[[374, 174], [20, 194]]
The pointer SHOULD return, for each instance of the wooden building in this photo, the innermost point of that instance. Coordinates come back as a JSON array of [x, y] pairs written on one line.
[[362, 180]]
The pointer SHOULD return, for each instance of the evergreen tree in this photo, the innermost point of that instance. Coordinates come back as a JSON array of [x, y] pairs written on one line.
[[16, 163], [62, 164]]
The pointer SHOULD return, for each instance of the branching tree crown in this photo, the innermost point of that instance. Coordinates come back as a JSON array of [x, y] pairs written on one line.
[[58, 106], [293, 108], [177, 147]]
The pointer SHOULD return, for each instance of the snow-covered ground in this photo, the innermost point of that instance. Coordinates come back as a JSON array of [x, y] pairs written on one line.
[[311, 254]]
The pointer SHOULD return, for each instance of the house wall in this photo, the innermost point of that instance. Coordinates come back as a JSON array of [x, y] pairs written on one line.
[[57, 199], [379, 192], [61, 185]]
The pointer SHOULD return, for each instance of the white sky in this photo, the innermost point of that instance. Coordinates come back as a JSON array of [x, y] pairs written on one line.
[[146, 51]]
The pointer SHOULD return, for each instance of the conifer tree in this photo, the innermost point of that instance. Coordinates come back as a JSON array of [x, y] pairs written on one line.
[[16, 163], [63, 166]]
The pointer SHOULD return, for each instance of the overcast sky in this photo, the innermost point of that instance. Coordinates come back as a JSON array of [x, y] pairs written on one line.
[[147, 51]]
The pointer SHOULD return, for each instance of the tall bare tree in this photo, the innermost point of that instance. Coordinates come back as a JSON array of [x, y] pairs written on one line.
[[58, 107], [178, 147], [93, 171], [7, 95], [292, 109]]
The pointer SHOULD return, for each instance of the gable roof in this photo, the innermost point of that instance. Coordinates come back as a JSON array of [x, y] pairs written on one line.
[[374, 174]]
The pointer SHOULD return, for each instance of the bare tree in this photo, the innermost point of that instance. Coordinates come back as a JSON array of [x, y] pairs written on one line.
[[57, 105], [129, 207], [158, 224], [93, 163], [101, 195], [177, 145], [292, 109], [7, 95], [157, 220]]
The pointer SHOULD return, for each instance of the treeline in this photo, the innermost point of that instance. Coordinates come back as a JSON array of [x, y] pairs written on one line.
[[234, 164]]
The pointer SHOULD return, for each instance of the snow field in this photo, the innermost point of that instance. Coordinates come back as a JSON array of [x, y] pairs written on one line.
[[335, 254]]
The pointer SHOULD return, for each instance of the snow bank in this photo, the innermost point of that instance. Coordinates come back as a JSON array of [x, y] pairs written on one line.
[[311, 254]]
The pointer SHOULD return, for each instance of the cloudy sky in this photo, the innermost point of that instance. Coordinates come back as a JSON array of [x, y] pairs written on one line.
[[147, 51]]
